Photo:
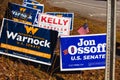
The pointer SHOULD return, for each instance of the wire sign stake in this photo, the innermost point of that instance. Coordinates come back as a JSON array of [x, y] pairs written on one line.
[[111, 40]]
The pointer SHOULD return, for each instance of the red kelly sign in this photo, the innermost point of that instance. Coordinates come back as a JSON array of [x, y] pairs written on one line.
[[60, 24]]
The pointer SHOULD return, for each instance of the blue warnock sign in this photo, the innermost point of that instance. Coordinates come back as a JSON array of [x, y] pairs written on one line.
[[27, 42], [82, 52], [20, 13]]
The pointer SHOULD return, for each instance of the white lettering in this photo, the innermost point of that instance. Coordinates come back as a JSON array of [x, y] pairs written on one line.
[[21, 38], [88, 57], [72, 50], [11, 35], [86, 42]]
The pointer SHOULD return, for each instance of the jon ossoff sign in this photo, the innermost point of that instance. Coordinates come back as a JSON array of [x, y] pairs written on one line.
[[27, 42], [83, 52]]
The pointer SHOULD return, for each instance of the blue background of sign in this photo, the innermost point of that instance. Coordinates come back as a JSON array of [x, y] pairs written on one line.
[[69, 15], [30, 1], [68, 64], [38, 6], [15, 27]]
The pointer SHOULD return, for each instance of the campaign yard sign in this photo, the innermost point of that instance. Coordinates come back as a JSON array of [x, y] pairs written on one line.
[[39, 7], [30, 1], [82, 52], [60, 24], [20, 13], [27, 42], [64, 14]]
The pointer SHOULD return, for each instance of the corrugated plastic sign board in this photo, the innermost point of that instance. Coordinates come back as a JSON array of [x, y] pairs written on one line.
[[20, 13], [27, 42], [30, 1], [64, 14], [60, 24], [40, 7], [82, 52]]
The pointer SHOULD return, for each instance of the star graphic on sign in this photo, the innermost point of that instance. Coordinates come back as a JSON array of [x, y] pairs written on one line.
[[65, 51]]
